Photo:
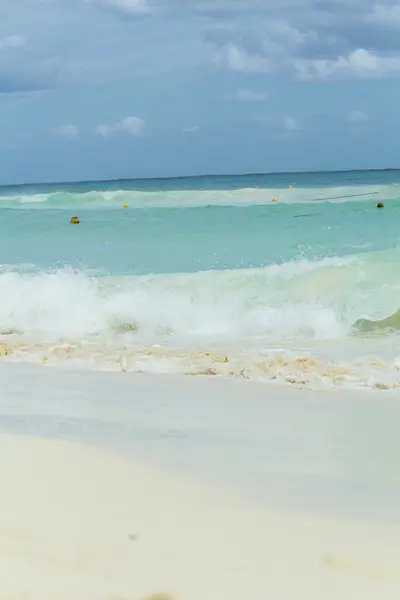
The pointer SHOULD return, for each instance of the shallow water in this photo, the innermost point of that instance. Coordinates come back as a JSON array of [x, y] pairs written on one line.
[[322, 452], [206, 275]]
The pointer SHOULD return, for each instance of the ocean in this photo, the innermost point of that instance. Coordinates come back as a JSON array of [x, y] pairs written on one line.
[[260, 277]]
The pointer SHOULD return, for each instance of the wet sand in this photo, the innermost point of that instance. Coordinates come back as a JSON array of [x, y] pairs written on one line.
[[117, 488]]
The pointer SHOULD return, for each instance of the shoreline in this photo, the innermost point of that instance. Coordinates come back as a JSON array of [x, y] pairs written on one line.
[[212, 365], [307, 368]]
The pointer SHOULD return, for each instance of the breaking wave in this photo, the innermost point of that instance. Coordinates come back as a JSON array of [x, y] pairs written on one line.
[[232, 323]]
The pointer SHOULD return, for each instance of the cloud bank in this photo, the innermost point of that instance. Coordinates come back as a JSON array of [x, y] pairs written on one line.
[[309, 40]]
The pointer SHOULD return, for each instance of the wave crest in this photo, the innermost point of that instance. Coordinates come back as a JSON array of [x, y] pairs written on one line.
[[95, 199]]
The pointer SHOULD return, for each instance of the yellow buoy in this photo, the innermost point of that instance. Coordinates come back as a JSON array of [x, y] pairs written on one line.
[[126, 206], [74, 220], [290, 187], [273, 200], [202, 189]]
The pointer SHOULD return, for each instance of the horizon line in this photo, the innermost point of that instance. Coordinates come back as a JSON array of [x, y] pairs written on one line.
[[174, 177]]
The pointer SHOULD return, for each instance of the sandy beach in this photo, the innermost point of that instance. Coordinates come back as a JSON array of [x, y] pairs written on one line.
[[83, 516], [199, 315]]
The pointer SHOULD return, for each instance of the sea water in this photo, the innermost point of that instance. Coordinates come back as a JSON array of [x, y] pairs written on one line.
[[254, 276]]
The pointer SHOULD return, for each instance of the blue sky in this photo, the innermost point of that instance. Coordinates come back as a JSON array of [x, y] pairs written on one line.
[[101, 89]]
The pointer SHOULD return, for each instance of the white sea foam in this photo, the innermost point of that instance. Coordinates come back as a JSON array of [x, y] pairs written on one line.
[[232, 323], [193, 198], [217, 305]]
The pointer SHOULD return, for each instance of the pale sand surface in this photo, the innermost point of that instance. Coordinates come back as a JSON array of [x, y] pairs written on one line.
[[133, 508], [79, 523]]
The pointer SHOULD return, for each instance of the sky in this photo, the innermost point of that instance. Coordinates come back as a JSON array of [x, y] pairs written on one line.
[[102, 89]]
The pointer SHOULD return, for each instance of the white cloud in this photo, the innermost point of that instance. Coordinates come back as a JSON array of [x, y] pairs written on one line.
[[358, 63], [359, 60], [12, 41], [237, 59], [282, 32], [249, 96], [290, 124], [131, 125], [129, 7], [387, 14], [67, 131], [192, 129], [357, 116]]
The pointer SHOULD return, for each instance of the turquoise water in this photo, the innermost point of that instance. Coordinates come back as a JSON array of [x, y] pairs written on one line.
[[206, 275]]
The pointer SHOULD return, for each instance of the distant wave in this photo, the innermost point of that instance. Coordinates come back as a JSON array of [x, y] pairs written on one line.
[[115, 199]]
